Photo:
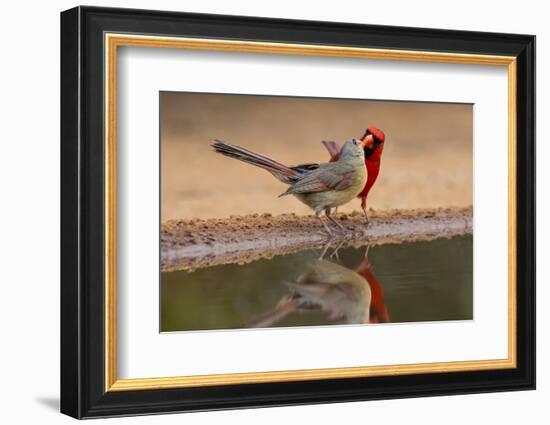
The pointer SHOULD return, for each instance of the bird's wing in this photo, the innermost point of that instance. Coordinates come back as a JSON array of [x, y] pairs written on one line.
[[333, 149], [332, 176], [304, 168]]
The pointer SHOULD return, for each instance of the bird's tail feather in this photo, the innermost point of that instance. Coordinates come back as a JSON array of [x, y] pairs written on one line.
[[284, 307], [333, 149], [280, 171]]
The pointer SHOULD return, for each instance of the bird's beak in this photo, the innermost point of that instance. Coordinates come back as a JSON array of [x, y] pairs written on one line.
[[367, 141]]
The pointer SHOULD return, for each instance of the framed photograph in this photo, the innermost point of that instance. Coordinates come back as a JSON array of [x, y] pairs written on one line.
[[261, 212]]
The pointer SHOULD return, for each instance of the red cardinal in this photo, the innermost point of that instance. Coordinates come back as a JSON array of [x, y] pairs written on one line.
[[378, 312], [373, 141]]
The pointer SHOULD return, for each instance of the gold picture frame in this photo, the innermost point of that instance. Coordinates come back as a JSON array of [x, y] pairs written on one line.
[[114, 41]]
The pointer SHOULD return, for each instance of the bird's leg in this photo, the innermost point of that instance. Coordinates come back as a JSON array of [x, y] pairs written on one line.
[[327, 213], [325, 249], [364, 207], [335, 251], [367, 249], [323, 223]]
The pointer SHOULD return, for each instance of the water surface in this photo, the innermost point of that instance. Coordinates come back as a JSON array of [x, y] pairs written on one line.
[[392, 283]]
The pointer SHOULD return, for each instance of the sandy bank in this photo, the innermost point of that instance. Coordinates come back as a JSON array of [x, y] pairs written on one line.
[[192, 244]]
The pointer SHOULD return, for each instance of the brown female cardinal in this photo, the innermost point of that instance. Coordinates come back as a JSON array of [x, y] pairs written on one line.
[[319, 186], [325, 286], [373, 141], [353, 295]]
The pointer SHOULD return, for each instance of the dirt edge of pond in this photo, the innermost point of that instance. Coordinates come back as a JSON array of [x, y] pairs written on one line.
[[193, 244]]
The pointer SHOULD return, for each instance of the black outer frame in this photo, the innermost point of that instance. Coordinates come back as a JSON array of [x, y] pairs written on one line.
[[82, 217]]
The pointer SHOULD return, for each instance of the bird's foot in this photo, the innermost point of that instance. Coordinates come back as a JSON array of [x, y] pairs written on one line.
[[341, 228], [328, 235]]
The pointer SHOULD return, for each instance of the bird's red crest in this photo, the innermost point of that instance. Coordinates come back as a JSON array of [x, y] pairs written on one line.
[[378, 134]]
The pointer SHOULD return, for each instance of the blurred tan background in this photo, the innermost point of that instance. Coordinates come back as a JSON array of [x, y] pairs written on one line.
[[427, 159]]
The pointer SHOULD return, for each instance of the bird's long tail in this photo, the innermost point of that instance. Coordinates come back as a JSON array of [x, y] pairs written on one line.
[[284, 307], [280, 171]]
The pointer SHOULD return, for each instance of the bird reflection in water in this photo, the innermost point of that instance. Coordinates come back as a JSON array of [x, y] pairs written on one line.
[[353, 296]]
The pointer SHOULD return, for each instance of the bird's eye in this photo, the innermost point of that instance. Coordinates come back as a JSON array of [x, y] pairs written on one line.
[[355, 142]]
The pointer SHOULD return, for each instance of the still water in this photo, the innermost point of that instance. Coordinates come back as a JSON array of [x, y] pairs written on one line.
[[392, 283]]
